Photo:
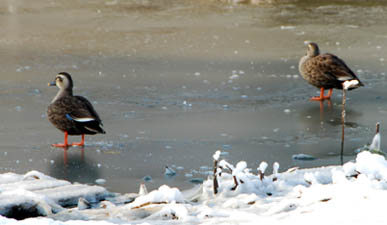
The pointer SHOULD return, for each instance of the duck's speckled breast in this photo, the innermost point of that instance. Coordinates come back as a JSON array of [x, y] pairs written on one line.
[[56, 114]]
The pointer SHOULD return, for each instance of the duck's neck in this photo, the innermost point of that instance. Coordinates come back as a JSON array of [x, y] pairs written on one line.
[[62, 93], [302, 61]]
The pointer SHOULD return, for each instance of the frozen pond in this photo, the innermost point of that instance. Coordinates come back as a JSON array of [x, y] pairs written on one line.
[[174, 81]]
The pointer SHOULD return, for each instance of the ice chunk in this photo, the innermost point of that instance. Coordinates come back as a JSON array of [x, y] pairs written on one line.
[[287, 111], [143, 190], [147, 178], [375, 145], [303, 157], [234, 77], [196, 180], [100, 181], [169, 171]]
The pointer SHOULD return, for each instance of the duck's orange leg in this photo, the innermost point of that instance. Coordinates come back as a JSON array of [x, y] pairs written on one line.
[[82, 143], [329, 94], [65, 144], [322, 97]]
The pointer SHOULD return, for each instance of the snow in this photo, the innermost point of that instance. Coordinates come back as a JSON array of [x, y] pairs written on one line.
[[83, 204], [217, 155], [41, 194], [164, 194], [240, 167], [276, 167], [262, 166], [350, 194]]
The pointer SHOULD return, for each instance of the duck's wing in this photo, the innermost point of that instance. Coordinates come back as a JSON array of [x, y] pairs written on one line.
[[333, 67], [83, 113], [84, 110]]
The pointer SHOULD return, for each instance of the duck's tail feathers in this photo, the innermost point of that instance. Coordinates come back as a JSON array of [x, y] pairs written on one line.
[[355, 84]]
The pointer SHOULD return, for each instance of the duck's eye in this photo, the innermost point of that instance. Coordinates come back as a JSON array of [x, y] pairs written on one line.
[[59, 79]]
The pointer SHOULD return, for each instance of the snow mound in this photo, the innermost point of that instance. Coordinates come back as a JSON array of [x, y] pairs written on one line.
[[163, 195], [348, 194]]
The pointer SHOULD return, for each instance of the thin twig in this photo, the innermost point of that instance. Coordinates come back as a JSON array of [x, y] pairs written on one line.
[[148, 203], [343, 126], [235, 182], [261, 175], [216, 184]]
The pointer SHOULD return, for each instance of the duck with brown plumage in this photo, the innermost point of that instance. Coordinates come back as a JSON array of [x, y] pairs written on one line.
[[325, 71], [73, 115]]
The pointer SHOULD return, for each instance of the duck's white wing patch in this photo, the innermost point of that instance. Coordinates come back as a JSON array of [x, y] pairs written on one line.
[[345, 78], [81, 120]]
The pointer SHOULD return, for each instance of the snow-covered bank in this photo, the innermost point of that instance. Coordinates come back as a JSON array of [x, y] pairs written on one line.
[[35, 194], [354, 193]]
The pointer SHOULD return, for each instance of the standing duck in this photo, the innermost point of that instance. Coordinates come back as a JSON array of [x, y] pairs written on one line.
[[325, 71], [74, 115]]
